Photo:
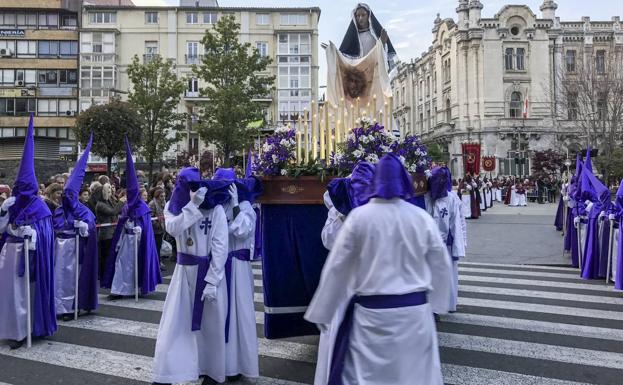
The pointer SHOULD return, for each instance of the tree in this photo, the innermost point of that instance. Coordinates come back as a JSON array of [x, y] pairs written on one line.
[[110, 123], [436, 154], [547, 163], [589, 94], [233, 74], [155, 95]]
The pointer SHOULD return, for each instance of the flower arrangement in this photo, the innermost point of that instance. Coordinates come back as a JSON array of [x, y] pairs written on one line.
[[369, 142], [278, 153]]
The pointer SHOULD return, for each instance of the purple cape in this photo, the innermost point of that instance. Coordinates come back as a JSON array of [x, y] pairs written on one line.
[[617, 210], [349, 193], [87, 282], [558, 222]]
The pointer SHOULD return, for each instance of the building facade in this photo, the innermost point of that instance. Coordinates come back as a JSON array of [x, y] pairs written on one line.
[[113, 32], [492, 81], [38, 75]]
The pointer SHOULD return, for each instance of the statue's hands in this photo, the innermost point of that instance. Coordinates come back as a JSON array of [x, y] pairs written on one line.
[[384, 37]]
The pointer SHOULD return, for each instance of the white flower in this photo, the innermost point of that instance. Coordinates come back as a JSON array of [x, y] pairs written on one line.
[[282, 130], [385, 148], [284, 171], [402, 159], [413, 168], [275, 158], [267, 147], [357, 153], [372, 158], [351, 137], [364, 139], [292, 141]]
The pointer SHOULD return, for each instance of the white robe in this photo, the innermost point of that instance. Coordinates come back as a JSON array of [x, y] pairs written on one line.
[[65, 274], [241, 350], [467, 205], [182, 354], [123, 282], [522, 199], [514, 197], [448, 215], [333, 224], [385, 247], [13, 303]]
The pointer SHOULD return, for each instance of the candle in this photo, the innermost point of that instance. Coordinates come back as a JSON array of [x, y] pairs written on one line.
[[306, 125], [298, 147], [374, 107], [313, 130], [322, 132], [357, 108], [327, 154]]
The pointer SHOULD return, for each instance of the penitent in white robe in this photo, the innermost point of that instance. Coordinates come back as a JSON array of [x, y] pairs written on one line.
[[466, 200], [448, 214], [123, 282], [385, 247], [182, 354], [332, 225], [241, 349], [514, 197], [13, 307]]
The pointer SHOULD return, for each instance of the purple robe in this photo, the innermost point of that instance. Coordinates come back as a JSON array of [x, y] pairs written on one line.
[[558, 222]]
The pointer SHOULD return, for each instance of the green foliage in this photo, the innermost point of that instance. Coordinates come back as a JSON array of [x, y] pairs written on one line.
[[110, 123], [155, 95], [436, 154], [612, 165], [234, 74]]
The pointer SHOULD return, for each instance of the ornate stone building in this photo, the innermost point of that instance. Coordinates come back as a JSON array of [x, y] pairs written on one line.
[[490, 81]]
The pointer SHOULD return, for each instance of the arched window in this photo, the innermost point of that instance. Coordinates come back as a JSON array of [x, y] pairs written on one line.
[[515, 105]]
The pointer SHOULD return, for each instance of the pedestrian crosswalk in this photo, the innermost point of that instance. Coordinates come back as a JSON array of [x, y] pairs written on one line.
[[516, 325]]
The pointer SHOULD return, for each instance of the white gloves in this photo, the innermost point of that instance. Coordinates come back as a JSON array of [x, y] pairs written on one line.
[[209, 293], [10, 201], [137, 230], [576, 221], [129, 225], [82, 228], [565, 198], [428, 174], [23, 232], [589, 207], [233, 193], [602, 214], [199, 195], [612, 217]]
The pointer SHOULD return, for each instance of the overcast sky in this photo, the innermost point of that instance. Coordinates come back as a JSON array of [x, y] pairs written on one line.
[[409, 22]]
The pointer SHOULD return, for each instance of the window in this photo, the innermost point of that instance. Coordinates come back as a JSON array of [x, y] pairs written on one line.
[[47, 107], [262, 18], [26, 20], [427, 86], [48, 77], [65, 105], [294, 19], [151, 51], [26, 48], [515, 31], [68, 48], [508, 59], [26, 76], [520, 59], [7, 107], [193, 86], [48, 20], [570, 60], [572, 106], [7, 20], [602, 106], [24, 107], [448, 111], [262, 48], [515, 105], [7, 77], [210, 17], [48, 48], [102, 17], [69, 21], [294, 43], [8, 46], [600, 61], [421, 89], [192, 52], [151, 17], [404, 95], [68, 76], [192, 18]]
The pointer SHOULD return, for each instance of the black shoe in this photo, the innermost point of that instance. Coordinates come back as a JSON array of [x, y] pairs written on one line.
[[67, 317], [114, 297], [16, 344], [207, 380], [437, 318], [233, 378]]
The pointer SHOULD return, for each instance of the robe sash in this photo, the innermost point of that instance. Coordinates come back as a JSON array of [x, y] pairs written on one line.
[[241, 255], [203, 264], [340, 348]]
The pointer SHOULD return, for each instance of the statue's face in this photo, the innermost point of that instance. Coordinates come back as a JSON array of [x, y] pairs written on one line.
[[362, 18]]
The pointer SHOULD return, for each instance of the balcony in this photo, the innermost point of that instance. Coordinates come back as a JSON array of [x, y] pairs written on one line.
[[98, 57], [150, 57], [193, 59]]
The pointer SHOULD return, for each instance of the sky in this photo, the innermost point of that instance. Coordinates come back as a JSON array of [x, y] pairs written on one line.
[[409, 22]]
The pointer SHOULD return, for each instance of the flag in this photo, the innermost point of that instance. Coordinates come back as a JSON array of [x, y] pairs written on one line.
[[526, 105]]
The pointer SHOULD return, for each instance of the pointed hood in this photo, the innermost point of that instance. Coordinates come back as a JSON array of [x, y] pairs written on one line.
[[26, 187], [588, 163], [225, 174], [597, 190], [132, 186], [181, 194], [391, 179], [248, 171], [354, 191], [74, 182], [619, 198], [438, 183]]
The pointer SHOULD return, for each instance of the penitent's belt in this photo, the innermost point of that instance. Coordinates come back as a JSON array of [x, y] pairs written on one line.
[[202, 263]]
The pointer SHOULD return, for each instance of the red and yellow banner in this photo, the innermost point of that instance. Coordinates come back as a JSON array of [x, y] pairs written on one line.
[[471, 158], [488, 163]]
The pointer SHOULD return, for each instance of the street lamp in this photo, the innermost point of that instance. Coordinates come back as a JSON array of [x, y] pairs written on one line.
[[568, 163]]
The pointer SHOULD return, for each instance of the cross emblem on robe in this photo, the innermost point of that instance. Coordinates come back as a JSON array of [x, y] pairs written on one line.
[[443, 212], [205, 225]]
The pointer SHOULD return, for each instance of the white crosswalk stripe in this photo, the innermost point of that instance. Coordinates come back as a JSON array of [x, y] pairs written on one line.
[[510, 318]]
